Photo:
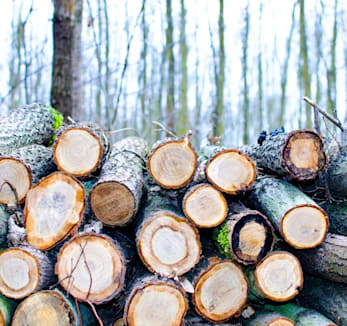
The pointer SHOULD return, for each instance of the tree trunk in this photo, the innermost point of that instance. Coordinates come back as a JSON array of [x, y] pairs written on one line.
[[228, 170], [172, 163], [267, 318], [166, 242], [24, 270], [302, 223], [51, 308], [53, 210], [300, 315], [66, 91], [298, 154], [81, 148], [246, 236], [327, 297], [91, 267], [329, 260], [155, 301], [32, 124], [116, 197], [287, 283], [337, 212], [204, 206], [22, 168]]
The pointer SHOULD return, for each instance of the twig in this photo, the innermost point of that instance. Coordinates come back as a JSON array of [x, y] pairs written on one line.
[[89, 272], [95, 313], [165, 129], [78, 312], [112, 132]]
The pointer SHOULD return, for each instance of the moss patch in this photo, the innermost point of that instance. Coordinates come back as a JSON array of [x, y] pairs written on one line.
[[222, 240]]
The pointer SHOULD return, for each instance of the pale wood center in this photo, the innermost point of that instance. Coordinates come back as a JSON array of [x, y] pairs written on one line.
[[304, 154], [281, 321], [252, 239], [15, 273]]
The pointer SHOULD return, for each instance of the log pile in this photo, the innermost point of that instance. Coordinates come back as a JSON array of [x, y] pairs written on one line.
[[94, 233]]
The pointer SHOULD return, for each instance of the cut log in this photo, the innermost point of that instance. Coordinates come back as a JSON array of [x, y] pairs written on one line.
[[229, 170], [116, 197], [220, 289], [205, 206], [4, 216], [51, 308], [21, 169], [32, 124], [157, 302], [300, 315], [166, 242], [7, 307], [277, 277], [267, 318], [337, 174], [24, 270], [119, 322], [91, 267], [246, 236], [302, 223], [196, 320], [298, 154], [53, 208], [80, 148], [329, 298], [337, 212], [172, 163], [328, 261]]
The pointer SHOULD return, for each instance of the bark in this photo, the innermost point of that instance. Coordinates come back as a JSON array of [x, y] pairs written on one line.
[[154, 300], [92, 267], [4, 216], [337, 212], [298, 154], [116, 197], [337, 174], [31, 124], [267, 318], [246, 236], [22, 168], [204, 206], [326, 297], [51, 308], [302, 223], [7, 307], [81, 148], [287, 284], [172, 163], [167, 243], [53, 210], [300, 315], [328, 261], [24, 270], [66, 91]]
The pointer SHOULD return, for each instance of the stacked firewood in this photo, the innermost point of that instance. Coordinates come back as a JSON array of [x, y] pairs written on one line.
[[94, 233]]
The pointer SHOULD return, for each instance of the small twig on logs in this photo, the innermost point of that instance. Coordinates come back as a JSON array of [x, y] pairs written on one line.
[[78, 312], [95, 313], [89, 272], [112, 132], [71, 120], [163, 128]]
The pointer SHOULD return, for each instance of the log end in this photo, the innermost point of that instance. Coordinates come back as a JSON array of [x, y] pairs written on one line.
[[221, 292], [19, 273], [168, 245], [172, 164], [91, 267], [52, 209], [230, 171], [281, 321], [112, 203], [303, 155], [279, 276], [16, 180], [205, 206], [156, 304], [78, 152], [305, 226]]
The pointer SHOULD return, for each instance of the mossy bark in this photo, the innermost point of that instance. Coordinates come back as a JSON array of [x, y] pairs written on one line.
[[7, 307], [337, 212]]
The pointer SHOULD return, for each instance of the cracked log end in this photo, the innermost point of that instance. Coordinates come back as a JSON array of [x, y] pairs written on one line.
[[91, 267], [252, 238], [279, 276], [18, 175], [303, 155], [78, 152], [156, 304], [205, 206], [44, 308], [231, 171], [52, 209], [281, 321], [168, 245], [305, 226], [173, 164], [112, 203], [19, 273], [221, 292]]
